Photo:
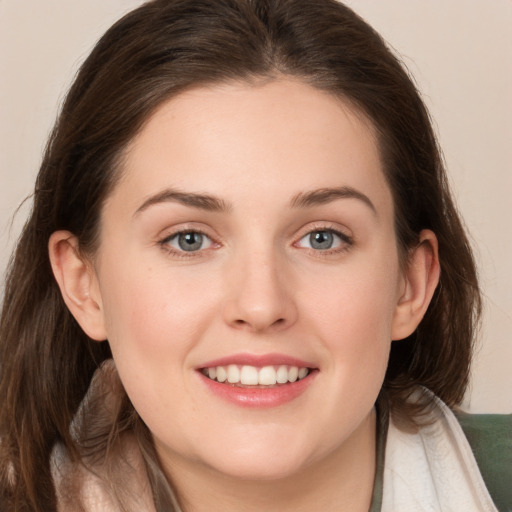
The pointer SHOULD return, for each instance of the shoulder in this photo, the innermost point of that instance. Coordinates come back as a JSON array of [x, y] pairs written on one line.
[[490, 438]]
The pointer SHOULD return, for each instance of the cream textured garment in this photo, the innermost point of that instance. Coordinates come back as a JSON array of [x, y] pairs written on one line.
[[95, 494], [433, 469]]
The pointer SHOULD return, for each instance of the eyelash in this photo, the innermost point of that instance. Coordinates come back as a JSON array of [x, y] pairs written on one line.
[[164, 243], [346, 242]]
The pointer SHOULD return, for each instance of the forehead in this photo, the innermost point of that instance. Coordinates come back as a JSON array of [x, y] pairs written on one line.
[[239, 140]]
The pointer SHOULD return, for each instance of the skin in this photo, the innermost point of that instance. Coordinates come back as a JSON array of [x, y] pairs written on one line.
[[255, 287]]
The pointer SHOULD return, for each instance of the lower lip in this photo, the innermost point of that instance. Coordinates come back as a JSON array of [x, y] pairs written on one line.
[[259, 398]]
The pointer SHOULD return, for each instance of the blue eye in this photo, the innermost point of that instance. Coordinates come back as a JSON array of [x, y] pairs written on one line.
[[323, 240], [189, 241]]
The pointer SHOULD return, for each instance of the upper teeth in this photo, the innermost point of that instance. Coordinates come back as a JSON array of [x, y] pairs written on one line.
[[253, 376]]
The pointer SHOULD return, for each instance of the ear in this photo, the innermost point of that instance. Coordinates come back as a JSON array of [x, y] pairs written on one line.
[[78, 283], [420, 281]]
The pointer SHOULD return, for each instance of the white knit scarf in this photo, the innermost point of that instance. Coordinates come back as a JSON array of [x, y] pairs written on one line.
[[433, 469]]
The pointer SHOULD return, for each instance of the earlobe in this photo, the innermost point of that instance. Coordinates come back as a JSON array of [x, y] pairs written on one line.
[[77, 283], [420, 281]]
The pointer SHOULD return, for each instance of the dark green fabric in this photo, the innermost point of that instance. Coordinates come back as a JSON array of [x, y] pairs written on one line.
[[490, 437], [382, 434]]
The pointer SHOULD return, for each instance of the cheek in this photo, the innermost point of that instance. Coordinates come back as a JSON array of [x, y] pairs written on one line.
[[353, 312], [151, 310], [150, 331], [361, 299], [153, 325]]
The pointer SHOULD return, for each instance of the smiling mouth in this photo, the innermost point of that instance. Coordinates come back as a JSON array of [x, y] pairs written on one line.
[[252, 376]]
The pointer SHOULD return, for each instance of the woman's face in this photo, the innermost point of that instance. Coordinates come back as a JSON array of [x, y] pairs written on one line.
[[251, 237]]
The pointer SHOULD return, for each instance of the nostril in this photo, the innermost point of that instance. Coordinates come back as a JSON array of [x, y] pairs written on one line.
[[240, 323]]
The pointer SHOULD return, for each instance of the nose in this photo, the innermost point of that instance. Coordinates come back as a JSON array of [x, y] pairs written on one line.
[[260, 296]]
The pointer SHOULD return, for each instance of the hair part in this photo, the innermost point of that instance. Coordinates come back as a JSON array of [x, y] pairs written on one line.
[[149, 56]]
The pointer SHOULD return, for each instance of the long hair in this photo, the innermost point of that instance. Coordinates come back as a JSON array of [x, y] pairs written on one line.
[[152, 54]]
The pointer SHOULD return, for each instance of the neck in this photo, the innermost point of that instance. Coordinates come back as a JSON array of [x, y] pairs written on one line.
[[342, 481]]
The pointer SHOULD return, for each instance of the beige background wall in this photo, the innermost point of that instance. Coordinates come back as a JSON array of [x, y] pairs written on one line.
[[460, 52]]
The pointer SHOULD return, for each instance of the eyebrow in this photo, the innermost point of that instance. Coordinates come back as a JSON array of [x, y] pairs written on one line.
[[326, 195], [201, 201], [214, 204]]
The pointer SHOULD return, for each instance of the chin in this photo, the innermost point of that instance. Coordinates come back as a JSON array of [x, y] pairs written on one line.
[[268, 468], [256, 458]]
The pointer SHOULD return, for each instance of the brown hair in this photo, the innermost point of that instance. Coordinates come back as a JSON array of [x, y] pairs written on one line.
[[150, 55]]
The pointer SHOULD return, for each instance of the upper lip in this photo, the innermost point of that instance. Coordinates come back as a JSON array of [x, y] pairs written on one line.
[[258, 361]]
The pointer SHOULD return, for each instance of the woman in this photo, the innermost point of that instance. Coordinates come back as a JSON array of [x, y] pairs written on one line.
[[244, 282]]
